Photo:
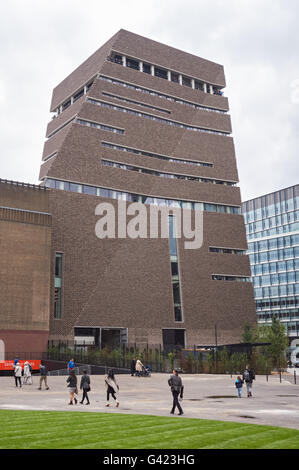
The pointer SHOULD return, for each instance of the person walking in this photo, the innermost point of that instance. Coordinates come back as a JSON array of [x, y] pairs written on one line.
[[27, 373], [18, 374], [139, 368], [85, 386], [239, 384], [248, 377], [133, 367], [43, 376], [177, 389], [112, 387], [72, 384], [15, 362]]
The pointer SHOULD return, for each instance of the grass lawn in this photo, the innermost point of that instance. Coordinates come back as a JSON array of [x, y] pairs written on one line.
[[72, 430]]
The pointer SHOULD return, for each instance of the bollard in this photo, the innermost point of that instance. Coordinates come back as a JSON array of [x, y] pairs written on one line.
[[294, 377]]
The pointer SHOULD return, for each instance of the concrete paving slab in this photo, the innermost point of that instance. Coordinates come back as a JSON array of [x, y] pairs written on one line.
[[206, 397]]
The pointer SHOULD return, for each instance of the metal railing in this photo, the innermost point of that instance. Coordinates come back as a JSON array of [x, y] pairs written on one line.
[[90, 369]]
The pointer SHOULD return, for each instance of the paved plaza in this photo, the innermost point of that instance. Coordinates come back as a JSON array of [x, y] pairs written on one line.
[[206, 396]]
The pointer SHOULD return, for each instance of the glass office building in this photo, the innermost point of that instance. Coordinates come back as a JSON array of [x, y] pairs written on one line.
[[272, 228]]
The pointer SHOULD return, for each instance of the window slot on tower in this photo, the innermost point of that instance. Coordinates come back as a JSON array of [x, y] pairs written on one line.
[[147, 68], [186, 81], [133, 64], [174, 77], [175, 276], [161, 73], [58, 286]]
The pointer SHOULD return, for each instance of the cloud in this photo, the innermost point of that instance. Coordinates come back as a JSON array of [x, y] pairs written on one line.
[[256, 41]]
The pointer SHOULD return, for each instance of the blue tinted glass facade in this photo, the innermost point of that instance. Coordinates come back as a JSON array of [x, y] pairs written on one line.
[[272, 228]]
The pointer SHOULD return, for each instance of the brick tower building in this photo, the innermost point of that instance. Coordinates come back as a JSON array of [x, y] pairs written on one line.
[[143, 122]]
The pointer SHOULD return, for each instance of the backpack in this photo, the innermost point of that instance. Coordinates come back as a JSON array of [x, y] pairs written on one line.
[[246, 376]]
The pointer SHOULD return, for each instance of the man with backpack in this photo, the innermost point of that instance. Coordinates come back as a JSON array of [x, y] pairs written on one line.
[[43, 376], [248, 377]]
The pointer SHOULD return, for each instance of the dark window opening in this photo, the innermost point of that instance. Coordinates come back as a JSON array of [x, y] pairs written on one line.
[[57, 302], [110, 338], [174, 77], [84, 331], [186, 81], [58, 265], [174, 269], [89, 85], [133, 64], [198, 85], [79, 94], [135, 198], [117, 59], [100, 337], [160, 73], [176, 293], [178, 313], [57, 286], [173, 339], [147, 68], [113, 337], [66, 105]]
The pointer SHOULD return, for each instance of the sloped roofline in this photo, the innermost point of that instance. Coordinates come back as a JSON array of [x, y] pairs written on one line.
[[149, 50]]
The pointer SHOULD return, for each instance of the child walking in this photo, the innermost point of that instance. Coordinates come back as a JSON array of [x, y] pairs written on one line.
[[239, 384]]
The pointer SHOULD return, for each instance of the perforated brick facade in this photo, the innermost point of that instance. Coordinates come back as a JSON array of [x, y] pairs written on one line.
[[161, 111]]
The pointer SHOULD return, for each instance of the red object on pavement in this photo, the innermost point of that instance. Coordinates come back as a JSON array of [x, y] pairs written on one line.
[[8, 365]]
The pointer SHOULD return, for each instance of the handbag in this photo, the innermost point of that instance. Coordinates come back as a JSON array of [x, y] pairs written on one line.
[[88, 388]]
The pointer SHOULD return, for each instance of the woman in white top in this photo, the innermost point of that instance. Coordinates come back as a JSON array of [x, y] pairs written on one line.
[[18, 374], [111, 386], [139, 368], [27, 374]]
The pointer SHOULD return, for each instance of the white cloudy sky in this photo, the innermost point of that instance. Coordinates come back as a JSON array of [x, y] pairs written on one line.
[[257, 41]]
